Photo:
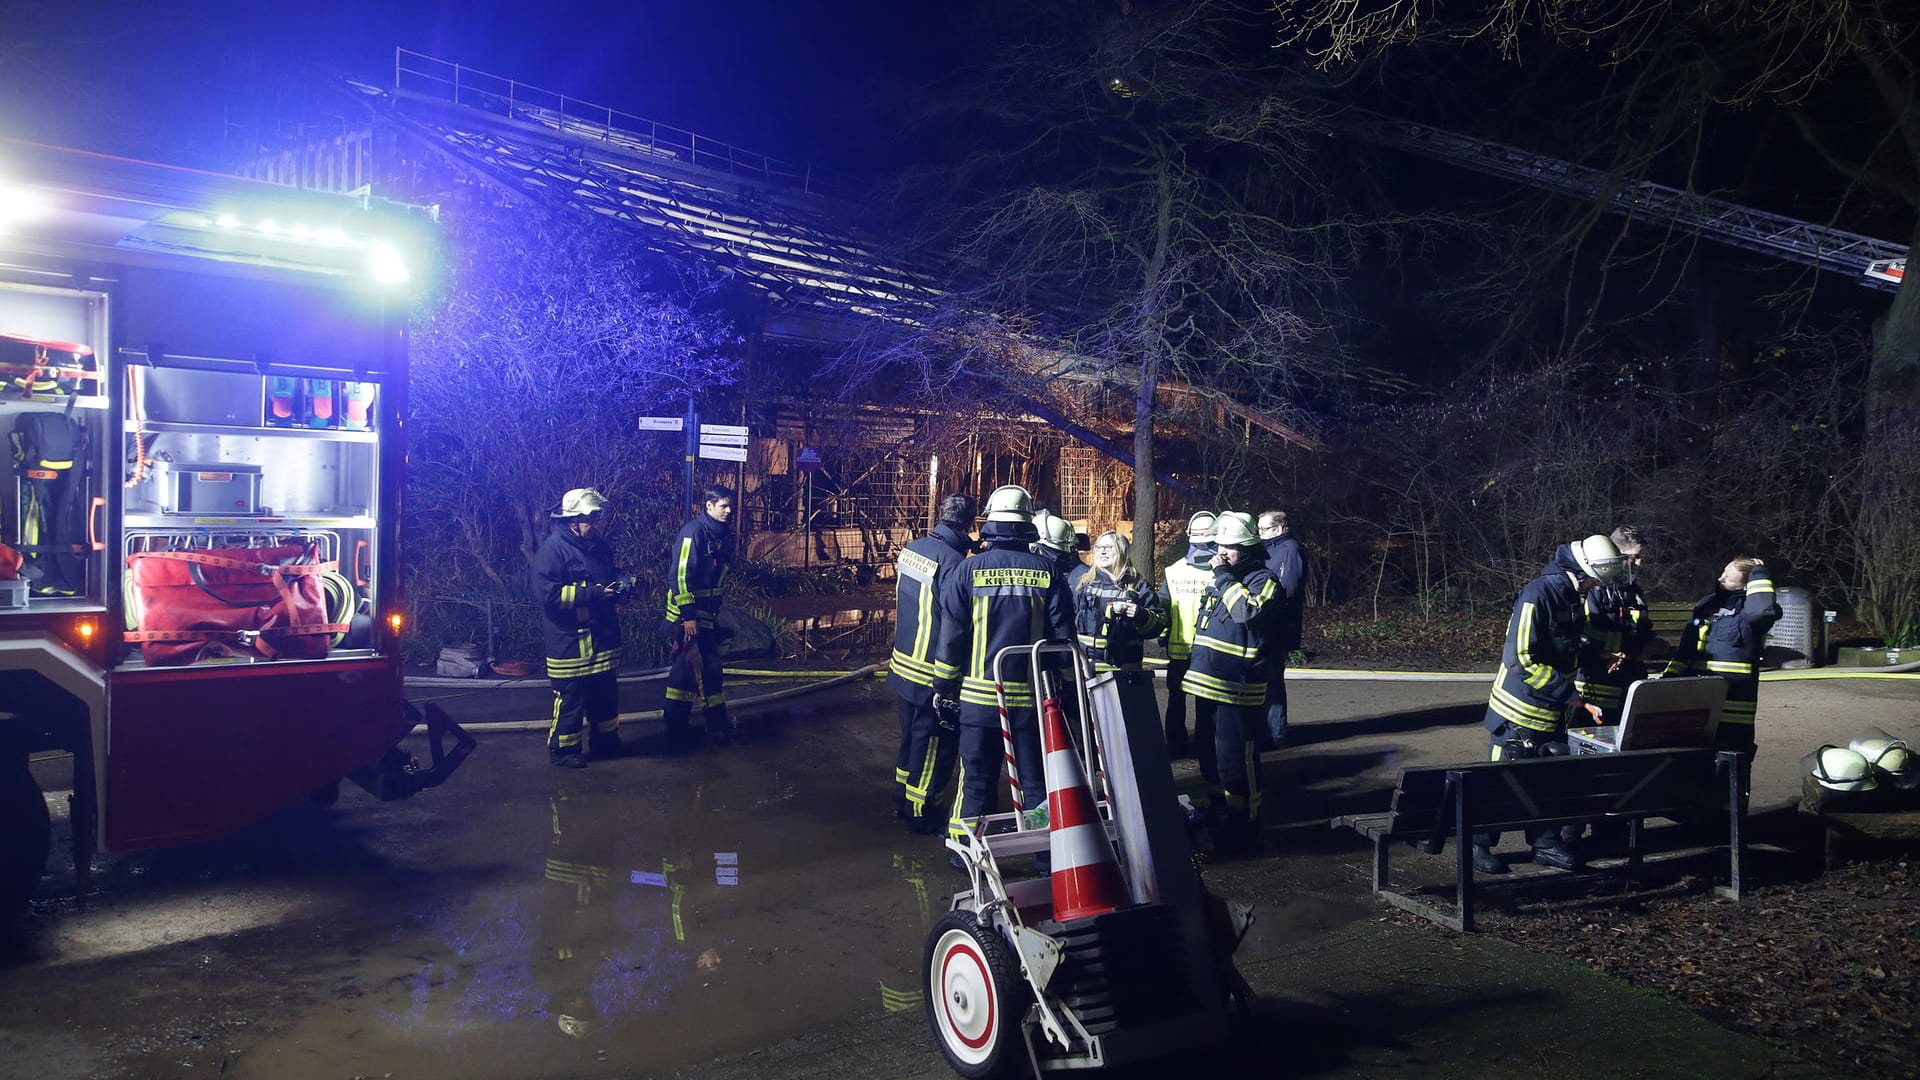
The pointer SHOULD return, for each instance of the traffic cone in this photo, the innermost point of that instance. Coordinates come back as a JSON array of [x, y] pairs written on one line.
[[1086, 879]]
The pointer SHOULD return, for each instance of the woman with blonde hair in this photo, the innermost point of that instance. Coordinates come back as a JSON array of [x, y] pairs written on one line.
[[1115, 612]]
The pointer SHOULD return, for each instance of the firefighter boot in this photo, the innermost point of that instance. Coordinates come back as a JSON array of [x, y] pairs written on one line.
[[1486, 862], [676, 716], [1549, 851]]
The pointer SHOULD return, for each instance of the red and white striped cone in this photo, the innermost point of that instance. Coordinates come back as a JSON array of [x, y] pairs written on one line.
[[1086, 877]]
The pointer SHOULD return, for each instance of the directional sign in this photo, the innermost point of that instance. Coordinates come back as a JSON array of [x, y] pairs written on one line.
[[722, 440], [723, 453], [708, 430], [661, 423]]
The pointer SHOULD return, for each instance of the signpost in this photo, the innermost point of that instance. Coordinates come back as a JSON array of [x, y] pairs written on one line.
[[716, 442], [723, 442]]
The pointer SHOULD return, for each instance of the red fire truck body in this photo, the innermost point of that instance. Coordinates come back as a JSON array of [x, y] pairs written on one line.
[[202, 413]]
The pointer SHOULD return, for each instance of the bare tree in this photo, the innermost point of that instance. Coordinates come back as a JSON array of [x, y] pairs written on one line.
[[1843, 74], [1122, 197], [550, 337]]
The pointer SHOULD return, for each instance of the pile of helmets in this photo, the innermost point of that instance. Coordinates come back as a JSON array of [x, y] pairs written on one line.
[[1864, 764]]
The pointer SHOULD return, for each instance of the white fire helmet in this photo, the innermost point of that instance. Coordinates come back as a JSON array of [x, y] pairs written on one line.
[[1837, 768], [1890, 756], [1056, 532], [1234, 529], [579, 503], [1599, 558], [1010, 502], [1200, 528]]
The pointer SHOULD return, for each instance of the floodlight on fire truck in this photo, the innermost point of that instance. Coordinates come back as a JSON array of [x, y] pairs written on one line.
[[20, 204], [234, 235]]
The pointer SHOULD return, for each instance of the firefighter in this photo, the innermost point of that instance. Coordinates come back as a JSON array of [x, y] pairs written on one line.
[[1115, 612], [1287, 562], [1612, 655], [701, 556], [579, 586], [1181, 587], [1725, 638], [1533, 692], [928, 738], [1005, 595], [1229, 668], [1057, 541]]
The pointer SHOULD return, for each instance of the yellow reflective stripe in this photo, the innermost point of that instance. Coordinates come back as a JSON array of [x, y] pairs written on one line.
[[1537, 674], [923, 610], [685, 565], [1754, 587], [1208, 641], [1730, 667], [977, 661], [1213, 688], [674, 693]]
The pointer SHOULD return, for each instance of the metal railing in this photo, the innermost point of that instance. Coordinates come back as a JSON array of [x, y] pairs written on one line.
[[430, 76]]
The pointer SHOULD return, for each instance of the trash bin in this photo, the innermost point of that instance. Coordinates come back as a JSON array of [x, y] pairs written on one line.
[[1794, 640]]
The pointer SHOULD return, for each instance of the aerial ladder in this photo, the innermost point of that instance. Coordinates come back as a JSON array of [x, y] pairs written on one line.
[[1874, 263]]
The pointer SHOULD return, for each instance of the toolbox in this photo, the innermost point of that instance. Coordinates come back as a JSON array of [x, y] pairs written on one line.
[[221, 488]]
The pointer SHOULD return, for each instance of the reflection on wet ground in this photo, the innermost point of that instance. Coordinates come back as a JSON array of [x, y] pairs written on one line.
[[650, 911]]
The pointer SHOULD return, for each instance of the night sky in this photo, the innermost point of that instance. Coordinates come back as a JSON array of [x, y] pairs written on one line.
[[800, 80]]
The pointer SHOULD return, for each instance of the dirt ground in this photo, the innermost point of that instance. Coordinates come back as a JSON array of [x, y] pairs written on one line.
[[1827, 965]]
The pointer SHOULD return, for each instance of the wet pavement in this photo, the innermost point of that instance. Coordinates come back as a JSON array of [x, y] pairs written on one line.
[[755, 911]]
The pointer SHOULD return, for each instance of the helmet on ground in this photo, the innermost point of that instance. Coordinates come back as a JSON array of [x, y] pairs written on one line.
[[1599, 558], [1056, 532], [1200, 527], [1837, 768], [579, 503], [1010, 502], [1234, 529], [1888, 755]]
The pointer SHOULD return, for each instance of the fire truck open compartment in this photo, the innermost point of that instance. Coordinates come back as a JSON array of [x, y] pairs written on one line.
[[202, 386]]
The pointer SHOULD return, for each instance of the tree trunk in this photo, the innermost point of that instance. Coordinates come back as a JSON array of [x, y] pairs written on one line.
[[1893, 376], [1146, 493]]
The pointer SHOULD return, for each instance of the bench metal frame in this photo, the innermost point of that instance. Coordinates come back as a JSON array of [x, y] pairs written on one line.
[[1508, 795]]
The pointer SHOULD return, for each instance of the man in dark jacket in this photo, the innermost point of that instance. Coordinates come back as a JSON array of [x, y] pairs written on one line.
[[579, 585], [701, 555], [1004, 596], [928, 740], [1533, 690], [1287, 562]]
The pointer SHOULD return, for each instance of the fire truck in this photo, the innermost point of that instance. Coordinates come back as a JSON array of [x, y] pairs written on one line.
[[202, 419]]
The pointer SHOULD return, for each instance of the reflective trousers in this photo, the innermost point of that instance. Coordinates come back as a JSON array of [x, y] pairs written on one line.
[[983, 752], [590, 701], [924, 770]]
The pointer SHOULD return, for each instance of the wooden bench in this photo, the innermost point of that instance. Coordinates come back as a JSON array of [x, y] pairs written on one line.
[[1668, 619], [1436, 803]]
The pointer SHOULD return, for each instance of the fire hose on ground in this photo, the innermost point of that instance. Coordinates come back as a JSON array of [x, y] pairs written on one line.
[[830, 679], [833, 679]]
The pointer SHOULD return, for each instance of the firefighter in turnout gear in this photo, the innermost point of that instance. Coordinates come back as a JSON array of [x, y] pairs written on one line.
[[1057, 542], [579, 586], [701, 555], [1004, 596], [1181, 588], [929, 735], [1533, 691], [1618, 633], [1229, 668], [1725, 637]]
